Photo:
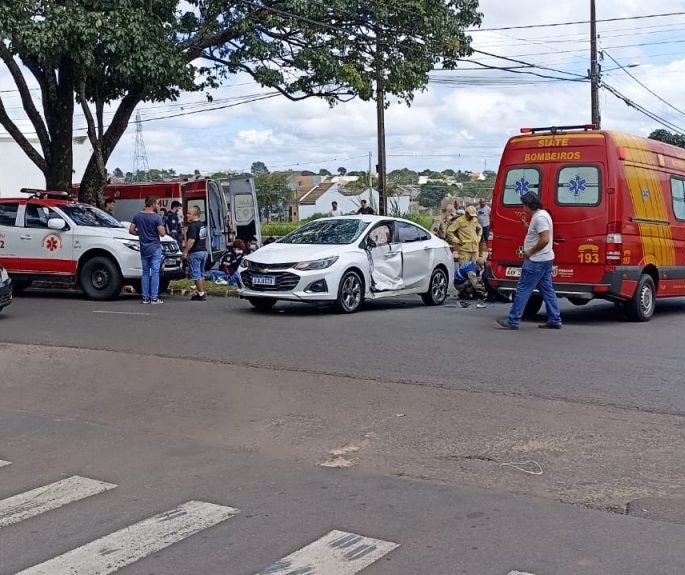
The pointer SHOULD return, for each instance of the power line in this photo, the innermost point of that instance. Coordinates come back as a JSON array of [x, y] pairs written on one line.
[[555, 24], [643, 110], [643, 85]]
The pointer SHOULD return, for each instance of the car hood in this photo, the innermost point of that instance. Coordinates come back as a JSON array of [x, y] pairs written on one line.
[[292, 253], [112, 233]]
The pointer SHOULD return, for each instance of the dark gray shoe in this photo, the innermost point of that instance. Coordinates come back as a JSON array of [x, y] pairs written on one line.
[[550, 326], [504, 324]]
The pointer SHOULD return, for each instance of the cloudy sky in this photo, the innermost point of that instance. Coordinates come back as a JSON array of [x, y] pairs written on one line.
[[464, 117]]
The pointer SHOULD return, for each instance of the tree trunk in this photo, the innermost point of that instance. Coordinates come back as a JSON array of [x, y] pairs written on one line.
[[92, 188]]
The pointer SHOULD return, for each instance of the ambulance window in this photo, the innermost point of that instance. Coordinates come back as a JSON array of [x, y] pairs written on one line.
[[678, 194], [578, 186], [8, 213], [520, 181]]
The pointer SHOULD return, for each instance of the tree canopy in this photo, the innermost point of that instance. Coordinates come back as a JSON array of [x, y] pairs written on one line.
[[668, 137], [119, 53]]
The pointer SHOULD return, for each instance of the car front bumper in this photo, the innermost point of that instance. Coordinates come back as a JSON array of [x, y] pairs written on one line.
[[5, 294], [304, 286]]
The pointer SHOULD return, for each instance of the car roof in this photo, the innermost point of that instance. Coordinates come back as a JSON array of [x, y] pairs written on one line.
[[49, 202], [371, 219]]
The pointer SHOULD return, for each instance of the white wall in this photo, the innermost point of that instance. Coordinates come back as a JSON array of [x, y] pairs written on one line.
[[17, 171]]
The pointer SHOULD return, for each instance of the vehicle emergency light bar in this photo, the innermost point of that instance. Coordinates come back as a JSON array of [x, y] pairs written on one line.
[[45, 193], [557, 129]]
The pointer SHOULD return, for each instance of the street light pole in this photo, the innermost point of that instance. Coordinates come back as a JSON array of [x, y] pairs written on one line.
[[594, 68]]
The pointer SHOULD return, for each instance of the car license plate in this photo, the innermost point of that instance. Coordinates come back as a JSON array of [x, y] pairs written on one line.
[[264, 280], [513, 272], [171, 262]]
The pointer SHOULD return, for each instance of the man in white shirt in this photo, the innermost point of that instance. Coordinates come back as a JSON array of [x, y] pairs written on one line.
[[536, 272], [334, 212]]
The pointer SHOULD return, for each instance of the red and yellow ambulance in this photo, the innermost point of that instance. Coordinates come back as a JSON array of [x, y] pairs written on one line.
[[618, 206]]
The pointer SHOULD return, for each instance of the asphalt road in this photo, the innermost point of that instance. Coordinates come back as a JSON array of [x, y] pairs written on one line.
[[477, 451]]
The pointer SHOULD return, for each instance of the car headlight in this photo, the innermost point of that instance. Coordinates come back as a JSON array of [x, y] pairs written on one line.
[[244, 263], [131, 244], [4, 276], [316, 264]]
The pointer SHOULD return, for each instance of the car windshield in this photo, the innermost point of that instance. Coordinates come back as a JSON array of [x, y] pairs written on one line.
[[336, 231], [83, 215]]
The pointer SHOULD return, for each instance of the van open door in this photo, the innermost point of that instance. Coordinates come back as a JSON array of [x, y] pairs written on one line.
[[241, 199], [208, 197]]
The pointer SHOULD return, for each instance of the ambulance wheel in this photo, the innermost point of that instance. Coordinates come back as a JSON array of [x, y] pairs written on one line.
[[100, 278], [532, 307], [641, 306], [437, 289]]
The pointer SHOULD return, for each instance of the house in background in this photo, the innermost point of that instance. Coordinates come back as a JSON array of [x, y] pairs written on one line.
[[314, 195]]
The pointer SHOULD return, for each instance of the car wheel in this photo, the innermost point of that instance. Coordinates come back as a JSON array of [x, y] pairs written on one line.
[[641, 306], [262, 303], [532, 307], [18, 286], [350, 293], [437, 290], [100, 279]]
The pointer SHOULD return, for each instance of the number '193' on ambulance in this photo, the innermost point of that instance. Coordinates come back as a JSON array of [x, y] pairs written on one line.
[[618, 206]]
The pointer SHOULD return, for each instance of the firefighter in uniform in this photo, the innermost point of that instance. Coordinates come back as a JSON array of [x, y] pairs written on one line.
[[465, 233]]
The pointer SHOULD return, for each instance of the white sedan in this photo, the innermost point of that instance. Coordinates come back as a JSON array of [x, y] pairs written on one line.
[[347, 260]]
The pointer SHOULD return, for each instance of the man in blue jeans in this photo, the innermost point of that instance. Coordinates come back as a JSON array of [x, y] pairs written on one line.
[[536, 271], [149, 227], [195, 252]]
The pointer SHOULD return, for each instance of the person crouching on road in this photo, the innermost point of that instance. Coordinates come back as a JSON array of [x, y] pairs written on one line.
[[231, 260], [195, 252], [468, 279], [536, 271], [148, 226]]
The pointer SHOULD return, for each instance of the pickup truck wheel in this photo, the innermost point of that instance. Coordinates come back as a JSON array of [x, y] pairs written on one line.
[[18, 286], [100, 278]]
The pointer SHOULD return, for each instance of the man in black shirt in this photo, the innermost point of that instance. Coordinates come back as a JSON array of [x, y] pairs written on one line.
[[173, 223], [365, 209], [195, 252]]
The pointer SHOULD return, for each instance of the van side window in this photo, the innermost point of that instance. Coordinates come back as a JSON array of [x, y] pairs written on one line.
[[578, 186], [678, 195], [520, 181]]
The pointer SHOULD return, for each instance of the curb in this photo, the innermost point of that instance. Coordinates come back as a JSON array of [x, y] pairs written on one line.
[[211, 292]]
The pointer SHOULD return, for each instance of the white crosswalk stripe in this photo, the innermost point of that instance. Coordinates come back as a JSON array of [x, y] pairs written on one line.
[[337, 553], [3, 463], [49, 497], [112, 552], [519, 573]]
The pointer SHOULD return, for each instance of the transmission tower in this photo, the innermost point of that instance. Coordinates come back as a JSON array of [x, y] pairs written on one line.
[[141, 169]]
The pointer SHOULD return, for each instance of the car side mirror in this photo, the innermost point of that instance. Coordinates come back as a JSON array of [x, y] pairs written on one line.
[[56, 224], [370, 244]]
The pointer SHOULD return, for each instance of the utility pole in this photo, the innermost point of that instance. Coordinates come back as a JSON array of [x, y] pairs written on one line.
[[380, 116], [594, 68], [370, 182]]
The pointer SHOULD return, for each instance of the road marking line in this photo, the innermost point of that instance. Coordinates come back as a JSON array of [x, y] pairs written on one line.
[[48, 497], [130, 544], [120, 312], [337, 553], [519, 573], [3, 463]]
